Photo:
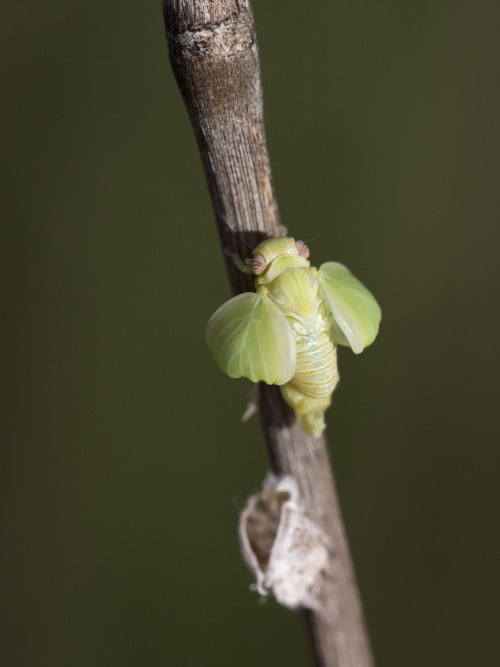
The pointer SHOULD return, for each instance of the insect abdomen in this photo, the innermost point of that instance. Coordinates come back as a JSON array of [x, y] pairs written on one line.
[[316, 371], [296, 293], [309, 391]]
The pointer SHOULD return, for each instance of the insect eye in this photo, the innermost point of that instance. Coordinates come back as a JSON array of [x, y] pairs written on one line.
[[302, 249], [258, 264]]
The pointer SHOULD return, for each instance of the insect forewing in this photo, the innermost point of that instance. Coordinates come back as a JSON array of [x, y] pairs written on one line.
[[355, 312], [250, 337]]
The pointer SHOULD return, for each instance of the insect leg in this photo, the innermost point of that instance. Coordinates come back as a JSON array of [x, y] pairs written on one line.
[[253, 403]]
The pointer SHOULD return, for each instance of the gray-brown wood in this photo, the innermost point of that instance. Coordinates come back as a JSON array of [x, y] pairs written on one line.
[[214, 56]]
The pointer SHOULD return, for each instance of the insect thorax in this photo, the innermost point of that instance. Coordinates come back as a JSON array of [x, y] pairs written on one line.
[[295, 291]]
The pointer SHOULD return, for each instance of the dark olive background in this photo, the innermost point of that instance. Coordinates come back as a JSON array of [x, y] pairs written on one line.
[[123, 459]]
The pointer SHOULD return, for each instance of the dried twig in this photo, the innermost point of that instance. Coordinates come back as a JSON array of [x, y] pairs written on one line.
[[214, 57]]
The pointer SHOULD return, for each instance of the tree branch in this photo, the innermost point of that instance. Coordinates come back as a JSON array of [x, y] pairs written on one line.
[[214, 57]]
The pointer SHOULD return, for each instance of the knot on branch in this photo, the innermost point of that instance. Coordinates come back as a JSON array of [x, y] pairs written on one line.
[[214, 55], [209, 29], [218, 40]]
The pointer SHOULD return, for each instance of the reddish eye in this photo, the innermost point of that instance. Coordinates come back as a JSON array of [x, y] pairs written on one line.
[[258, 264], [302, 249]]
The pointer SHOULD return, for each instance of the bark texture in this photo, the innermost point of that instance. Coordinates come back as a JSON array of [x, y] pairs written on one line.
[[214, 57]]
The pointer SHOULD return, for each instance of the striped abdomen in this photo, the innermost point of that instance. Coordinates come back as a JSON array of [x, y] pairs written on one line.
[[296, 293], [316, 371], [310, 390]]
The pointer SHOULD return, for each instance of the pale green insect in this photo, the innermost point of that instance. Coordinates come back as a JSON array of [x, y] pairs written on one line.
[[288, 331]]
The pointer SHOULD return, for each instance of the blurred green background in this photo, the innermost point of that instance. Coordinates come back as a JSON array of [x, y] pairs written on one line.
[[123, 459]]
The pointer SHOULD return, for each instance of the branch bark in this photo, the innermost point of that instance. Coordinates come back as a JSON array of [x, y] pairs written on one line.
[[214, 57]]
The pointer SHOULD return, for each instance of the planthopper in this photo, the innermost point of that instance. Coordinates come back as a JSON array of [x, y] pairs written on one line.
[[287, 332]]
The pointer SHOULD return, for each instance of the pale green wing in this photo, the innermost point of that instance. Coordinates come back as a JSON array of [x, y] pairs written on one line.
[[250, 337], [355, 312]]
